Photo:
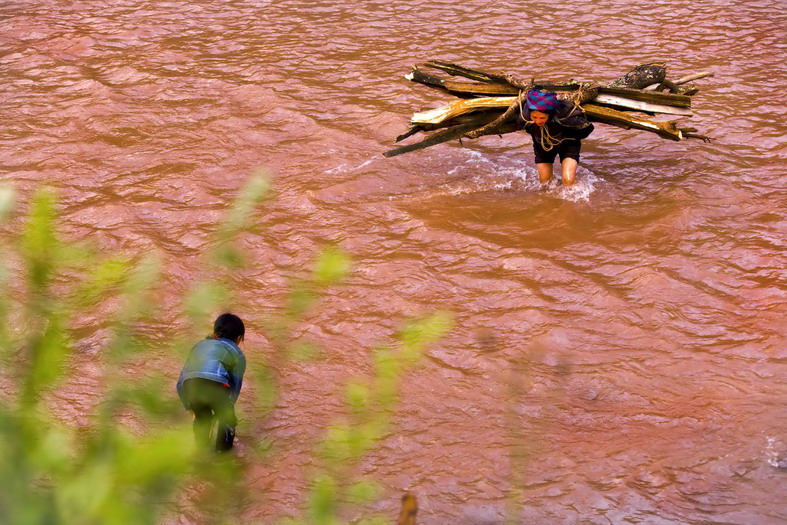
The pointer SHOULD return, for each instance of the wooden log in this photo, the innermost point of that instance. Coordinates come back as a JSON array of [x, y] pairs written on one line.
[[668, 99], [684, 80], [412, 130], [640, 105], [641, 76], [674, 89], [452, 133], [508, 115], [460, 88], [455, 70], [478, 118], [694, 76], [682, 86], [494, 108], [416, 75], [460, 107], [619, 118], [468, 89], [476, 89]]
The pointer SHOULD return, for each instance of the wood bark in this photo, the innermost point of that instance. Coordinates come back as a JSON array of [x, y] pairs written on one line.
[[641, 76], [628, 121], [455, 70], [468, 89], [456, 131]]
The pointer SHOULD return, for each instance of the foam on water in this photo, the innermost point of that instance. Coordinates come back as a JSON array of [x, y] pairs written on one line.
[[772, 451], [345, 168], [505, 173]]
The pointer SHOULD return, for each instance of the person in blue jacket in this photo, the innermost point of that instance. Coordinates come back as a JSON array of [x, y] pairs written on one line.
[[211, 379]]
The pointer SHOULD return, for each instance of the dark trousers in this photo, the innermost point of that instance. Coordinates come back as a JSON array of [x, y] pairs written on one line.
[[211, 401]]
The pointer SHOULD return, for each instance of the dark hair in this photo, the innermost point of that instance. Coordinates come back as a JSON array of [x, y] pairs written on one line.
[[229, 326]]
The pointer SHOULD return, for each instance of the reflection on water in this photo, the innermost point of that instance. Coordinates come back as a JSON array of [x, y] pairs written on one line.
[[654, 286]]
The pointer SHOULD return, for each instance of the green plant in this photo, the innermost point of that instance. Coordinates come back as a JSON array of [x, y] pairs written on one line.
[[370, 401], [127, 460], [103, 471]]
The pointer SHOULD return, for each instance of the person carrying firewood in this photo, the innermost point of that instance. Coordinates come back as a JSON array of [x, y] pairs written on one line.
[[557, 128]]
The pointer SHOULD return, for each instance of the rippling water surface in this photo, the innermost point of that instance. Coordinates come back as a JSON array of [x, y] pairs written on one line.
[[619, 350]]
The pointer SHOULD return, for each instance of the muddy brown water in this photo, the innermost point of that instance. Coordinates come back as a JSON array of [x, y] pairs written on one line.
[[618, 354]]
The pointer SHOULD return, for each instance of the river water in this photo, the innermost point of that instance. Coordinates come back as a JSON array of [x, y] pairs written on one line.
[[618, 353]]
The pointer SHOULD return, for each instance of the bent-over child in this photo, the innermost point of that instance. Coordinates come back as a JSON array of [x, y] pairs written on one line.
[[211, 379]]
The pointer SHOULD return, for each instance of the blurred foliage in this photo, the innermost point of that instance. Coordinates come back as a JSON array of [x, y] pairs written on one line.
[[131, 457], [107, 470], [370, 402]]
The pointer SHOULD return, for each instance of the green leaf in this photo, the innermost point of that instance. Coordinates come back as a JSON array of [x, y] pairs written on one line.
[[266, 388], [332, 266], [205, 299], [144, 462], [39, 242], [81, 497], [415, 335], [363, 491], [106, 276], [238, 217], [53, 450], [322, 502], [303, 351], [336, 445], [47, 355], [301, 300], [357, 396]]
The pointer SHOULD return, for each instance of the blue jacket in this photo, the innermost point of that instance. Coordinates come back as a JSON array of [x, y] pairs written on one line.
[[219, 360]]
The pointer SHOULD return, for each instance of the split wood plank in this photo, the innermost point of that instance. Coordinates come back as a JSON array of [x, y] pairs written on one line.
[[657, 97], [460, 107], [639, 105]]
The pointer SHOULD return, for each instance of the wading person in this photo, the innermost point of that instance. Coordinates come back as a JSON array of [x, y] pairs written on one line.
[[557, 128], [211, 379]]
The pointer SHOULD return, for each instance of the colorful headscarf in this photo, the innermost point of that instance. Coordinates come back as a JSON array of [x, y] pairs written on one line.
[[538, 100]]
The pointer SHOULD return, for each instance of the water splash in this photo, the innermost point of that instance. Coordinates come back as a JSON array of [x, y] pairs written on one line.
[[772, 454], [346, 168], [483, 173]]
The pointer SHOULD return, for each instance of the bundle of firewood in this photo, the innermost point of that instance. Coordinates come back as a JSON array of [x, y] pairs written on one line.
[[491, 102]]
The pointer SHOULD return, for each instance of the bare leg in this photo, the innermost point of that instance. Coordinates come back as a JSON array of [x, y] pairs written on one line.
[[569, 168], [544, 171]]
